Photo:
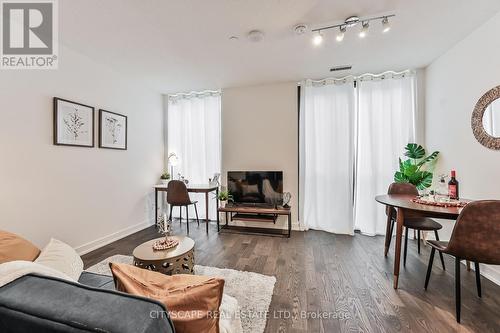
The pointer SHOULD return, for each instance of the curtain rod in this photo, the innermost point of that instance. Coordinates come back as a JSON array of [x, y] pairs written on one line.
[[194, 93], [362, 76]]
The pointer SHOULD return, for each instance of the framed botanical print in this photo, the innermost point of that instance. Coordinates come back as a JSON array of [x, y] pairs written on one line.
[[112, 130], [73, 123]]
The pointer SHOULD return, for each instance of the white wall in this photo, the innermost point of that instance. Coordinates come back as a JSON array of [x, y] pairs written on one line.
[[83, 196], [454, 83], [260, 132]]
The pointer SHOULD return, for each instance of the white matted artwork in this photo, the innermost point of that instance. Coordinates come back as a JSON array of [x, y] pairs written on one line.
[[112, 130], [73, 124]]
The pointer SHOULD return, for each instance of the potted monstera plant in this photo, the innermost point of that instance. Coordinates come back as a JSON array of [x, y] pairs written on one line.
[[417, 169]]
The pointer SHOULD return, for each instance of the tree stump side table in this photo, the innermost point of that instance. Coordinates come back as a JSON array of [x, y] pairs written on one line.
[[177, 260]]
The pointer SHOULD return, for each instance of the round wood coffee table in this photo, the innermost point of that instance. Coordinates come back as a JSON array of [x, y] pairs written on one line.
[[177, 260]]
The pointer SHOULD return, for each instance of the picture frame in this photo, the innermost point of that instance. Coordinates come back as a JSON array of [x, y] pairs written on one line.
[[113, 130], [73, 123]]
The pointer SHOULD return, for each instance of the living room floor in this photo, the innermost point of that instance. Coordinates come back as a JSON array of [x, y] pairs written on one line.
[[321, 277]]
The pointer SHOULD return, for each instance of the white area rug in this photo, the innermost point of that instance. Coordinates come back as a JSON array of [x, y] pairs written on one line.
[[252, 290]]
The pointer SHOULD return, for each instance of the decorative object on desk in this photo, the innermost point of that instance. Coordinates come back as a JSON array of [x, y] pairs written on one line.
[[287, 196], [112, 130], [432, 202], [485, 120], [224, 197], [182, 178], [73, 124], [214, 181], [417, 168], [165, 229], [165, 178], [173, 160]]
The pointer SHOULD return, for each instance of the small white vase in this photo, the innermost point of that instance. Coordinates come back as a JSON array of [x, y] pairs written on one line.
[[223, 204], [164, 181]]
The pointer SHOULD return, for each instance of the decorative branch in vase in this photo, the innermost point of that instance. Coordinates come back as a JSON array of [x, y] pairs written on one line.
[[417, 169], [165, 229]]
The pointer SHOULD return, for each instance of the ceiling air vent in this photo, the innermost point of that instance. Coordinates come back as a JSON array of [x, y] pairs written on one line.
[[340, 68]]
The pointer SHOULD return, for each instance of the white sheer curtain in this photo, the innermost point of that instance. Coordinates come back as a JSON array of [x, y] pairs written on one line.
[[386, 123], [326, 156], [194, 135]]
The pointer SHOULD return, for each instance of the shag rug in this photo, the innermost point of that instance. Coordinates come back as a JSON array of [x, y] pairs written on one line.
[[252, 290]]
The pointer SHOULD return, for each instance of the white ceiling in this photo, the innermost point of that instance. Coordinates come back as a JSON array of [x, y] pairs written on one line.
[[179, 45]]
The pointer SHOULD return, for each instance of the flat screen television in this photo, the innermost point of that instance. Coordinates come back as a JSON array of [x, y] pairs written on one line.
[[256, 187]]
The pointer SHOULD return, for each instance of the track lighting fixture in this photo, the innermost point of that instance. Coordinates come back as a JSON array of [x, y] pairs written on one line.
[[351, 22], [341, 33], [318, 38], [386, 26], [364, 29]]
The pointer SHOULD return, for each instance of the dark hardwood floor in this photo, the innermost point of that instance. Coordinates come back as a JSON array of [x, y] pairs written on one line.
[[337, 283]]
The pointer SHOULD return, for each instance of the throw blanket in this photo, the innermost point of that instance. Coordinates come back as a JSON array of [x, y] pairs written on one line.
[[13, 270]]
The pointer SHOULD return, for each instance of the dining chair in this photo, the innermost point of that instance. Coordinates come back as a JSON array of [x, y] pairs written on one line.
[[475, 237], [178, 196], [410, 222]]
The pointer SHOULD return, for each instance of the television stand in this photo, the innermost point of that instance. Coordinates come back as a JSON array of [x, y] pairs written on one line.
[[255, 213]]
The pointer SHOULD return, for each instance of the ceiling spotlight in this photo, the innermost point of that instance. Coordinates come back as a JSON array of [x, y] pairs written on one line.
[[341, 33], [364, 29], [386, 26], [318, 38]]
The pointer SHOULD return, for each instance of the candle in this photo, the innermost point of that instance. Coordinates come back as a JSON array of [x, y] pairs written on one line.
[[165, 222]]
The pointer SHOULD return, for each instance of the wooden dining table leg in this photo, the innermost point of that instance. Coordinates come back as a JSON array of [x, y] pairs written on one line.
[[206, 209], [397, 251]]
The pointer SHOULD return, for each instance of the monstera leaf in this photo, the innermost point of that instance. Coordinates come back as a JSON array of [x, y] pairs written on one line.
[[416, 169], [414, 151]]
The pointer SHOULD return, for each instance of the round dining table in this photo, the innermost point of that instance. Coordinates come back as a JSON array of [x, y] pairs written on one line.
[[406, 207]]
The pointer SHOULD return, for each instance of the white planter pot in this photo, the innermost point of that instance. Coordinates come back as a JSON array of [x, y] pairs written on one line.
[[223, 203], [164, 181]]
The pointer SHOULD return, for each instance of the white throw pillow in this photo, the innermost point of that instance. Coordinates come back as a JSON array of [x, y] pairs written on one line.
[[61, 257]]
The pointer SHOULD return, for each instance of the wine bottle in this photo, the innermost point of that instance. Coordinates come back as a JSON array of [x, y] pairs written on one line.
[[453, 186]]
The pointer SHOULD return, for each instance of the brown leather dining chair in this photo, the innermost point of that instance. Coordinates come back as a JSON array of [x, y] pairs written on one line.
[[475, 237], [415, 223], [178, 196]]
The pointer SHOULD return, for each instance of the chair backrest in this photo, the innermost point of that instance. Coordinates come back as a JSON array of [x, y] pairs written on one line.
[[476, 235], [177, 193], [400, 188]]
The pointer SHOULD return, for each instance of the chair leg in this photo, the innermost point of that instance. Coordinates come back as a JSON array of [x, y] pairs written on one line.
[[440, 253], [196, 212], [187, 219], [418, 241], [457, 288], [180, 214], [406, 246], [429, 268], [170, 215], [478, 278], [388, 234]]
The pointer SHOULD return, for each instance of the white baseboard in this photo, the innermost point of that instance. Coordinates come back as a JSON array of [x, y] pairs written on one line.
[[93, 245], [489, 272]]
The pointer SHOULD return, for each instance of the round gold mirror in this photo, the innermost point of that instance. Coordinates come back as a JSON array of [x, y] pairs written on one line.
[[486, 119]]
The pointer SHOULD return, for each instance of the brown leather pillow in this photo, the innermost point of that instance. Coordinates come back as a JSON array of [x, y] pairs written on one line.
[[192, 301], [13, 247]]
